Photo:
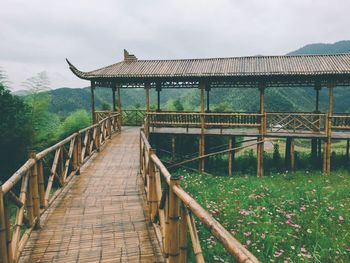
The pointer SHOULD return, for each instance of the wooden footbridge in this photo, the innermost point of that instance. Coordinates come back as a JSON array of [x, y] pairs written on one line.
[[102, 195]]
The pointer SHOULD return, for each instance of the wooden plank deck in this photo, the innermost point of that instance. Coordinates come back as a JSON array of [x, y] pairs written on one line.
[[100, 216]]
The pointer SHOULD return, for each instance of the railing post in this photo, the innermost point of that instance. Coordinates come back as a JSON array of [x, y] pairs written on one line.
[[33, 183], [152, 190], [41, 183], [110, 125], [97, 136], [3, 230], [172, 231], [183, 235]]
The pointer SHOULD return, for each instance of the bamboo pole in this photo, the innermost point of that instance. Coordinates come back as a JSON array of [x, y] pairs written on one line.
[[172, 231], [202, 136], [196, 245], [183, 235], [3, 231], [113, 99], [328, 141], [8, 230], [41, 183], [34, 185], [158, 89], [262, 130], [92, 88], [152, 192], [231, 154], [173, 147], [292, 155]]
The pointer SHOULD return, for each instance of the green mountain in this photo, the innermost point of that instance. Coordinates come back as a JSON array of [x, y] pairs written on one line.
[[321, 48], [66, 100]]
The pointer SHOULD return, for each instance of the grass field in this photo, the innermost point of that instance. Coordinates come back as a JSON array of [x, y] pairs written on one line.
[[287, 217]]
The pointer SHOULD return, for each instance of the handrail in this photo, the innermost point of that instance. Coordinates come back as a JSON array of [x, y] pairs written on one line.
[[62, 161], [172, 209]]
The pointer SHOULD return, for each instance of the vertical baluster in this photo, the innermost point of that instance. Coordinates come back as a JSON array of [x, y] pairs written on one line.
[[173, 226], [3, 231], [183, 235], [34, 185], [29, 201], [41, 182]]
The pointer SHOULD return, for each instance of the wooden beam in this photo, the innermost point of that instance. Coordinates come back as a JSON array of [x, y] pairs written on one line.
[[92, 87], [3, 231]]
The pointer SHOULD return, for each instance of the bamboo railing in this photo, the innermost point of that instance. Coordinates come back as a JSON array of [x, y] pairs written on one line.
[[194, 119], [341, 121], [35, 185], [172, 212]]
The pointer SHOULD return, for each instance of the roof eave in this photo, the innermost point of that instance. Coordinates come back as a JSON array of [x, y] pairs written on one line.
[[77, 72]]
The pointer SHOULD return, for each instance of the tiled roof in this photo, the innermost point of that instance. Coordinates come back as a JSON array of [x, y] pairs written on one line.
[[302, 65]]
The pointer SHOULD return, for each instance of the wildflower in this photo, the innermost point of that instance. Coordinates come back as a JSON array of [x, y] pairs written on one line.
[[341, 219], [278, 253]]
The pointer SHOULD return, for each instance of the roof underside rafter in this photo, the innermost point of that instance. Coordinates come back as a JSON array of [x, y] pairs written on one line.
[[275, 71]]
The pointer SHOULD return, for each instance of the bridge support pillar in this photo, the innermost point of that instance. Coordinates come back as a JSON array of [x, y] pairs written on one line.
[[290, 154], [231, 154]]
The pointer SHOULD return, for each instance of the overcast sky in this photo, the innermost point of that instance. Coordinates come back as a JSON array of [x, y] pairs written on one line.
[[38, 35]]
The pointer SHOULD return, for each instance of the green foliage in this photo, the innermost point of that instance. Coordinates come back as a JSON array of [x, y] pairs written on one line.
[[15, 133], [105, 106], [178, 105], [76, 121], [288, 217]]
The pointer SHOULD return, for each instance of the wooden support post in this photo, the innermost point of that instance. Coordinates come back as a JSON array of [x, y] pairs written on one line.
[[290, 154], [183, 235], [262, 130], [3, 230], [328, 141], [41, 183], [119, 104], [114, 107], [173, 227], [92, 87], [158, 89], [207, 89], [173, 147], [347, 148], [202, 136], [146, 124], [33, 183], [147, 88], [231, 154]]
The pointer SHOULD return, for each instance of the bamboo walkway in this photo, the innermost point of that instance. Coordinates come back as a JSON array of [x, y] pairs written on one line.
[[100, 216]]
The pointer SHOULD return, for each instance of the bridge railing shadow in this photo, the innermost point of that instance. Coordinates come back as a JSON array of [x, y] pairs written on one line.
[[33, 187]]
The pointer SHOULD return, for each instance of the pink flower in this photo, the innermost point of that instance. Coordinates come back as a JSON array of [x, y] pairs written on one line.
[[341, 219], [244, 212], [247, 234], [302, 209], [278, 253], [248, 242]]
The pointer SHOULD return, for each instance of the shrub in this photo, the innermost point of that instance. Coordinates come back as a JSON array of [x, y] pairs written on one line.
[[76, 121]]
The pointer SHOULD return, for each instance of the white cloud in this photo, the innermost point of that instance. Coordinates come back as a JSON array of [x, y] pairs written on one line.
[[38, 35]]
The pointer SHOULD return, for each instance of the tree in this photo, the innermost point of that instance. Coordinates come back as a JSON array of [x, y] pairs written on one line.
[[44, 123], [15, 131], [178, 105]]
